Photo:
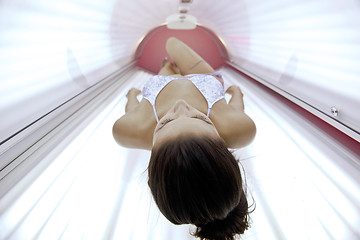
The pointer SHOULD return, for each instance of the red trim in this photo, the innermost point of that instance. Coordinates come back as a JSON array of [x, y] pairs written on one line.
[[151, 51]]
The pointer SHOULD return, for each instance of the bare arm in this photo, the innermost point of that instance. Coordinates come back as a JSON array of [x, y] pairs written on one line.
[[236, 100], [237, 129], [132, 102], [131, 132], [134, 129]]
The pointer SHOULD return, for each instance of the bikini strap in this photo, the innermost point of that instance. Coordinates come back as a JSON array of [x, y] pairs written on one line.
[[208, 112], [156, 116], [217, 74]]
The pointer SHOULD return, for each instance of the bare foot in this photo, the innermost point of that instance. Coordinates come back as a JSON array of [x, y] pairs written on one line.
[[164, 62]]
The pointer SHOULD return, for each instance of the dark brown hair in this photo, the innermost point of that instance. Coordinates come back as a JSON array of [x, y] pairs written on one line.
[[196, 180]]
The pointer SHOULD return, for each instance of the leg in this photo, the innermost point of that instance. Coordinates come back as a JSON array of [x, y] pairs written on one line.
[[186, 59]]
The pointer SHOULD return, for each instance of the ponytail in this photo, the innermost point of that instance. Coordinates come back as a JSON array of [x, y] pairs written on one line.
[[236, 222]]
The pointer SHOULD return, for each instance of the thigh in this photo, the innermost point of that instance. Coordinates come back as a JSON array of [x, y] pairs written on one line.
[[186, 59]]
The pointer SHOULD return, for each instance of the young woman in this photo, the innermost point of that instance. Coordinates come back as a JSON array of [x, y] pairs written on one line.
[[187, 124]]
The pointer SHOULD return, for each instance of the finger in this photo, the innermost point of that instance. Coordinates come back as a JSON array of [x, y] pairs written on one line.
[[230, 89]]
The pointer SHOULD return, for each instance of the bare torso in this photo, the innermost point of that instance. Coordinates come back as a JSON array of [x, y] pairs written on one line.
[[180, 89], [136, 128], [142, 121]]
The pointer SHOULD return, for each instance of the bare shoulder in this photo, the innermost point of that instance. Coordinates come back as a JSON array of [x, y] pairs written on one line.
[[134, 129], [235, 127]]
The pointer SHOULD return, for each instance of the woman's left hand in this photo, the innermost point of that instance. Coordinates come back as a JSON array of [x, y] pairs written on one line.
[[133, 92]]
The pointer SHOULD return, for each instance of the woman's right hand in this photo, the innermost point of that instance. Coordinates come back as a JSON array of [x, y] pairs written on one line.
[[236, 100], [234, 89]]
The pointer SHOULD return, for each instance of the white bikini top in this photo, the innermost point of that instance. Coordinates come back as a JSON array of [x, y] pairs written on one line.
[[208, 85]]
